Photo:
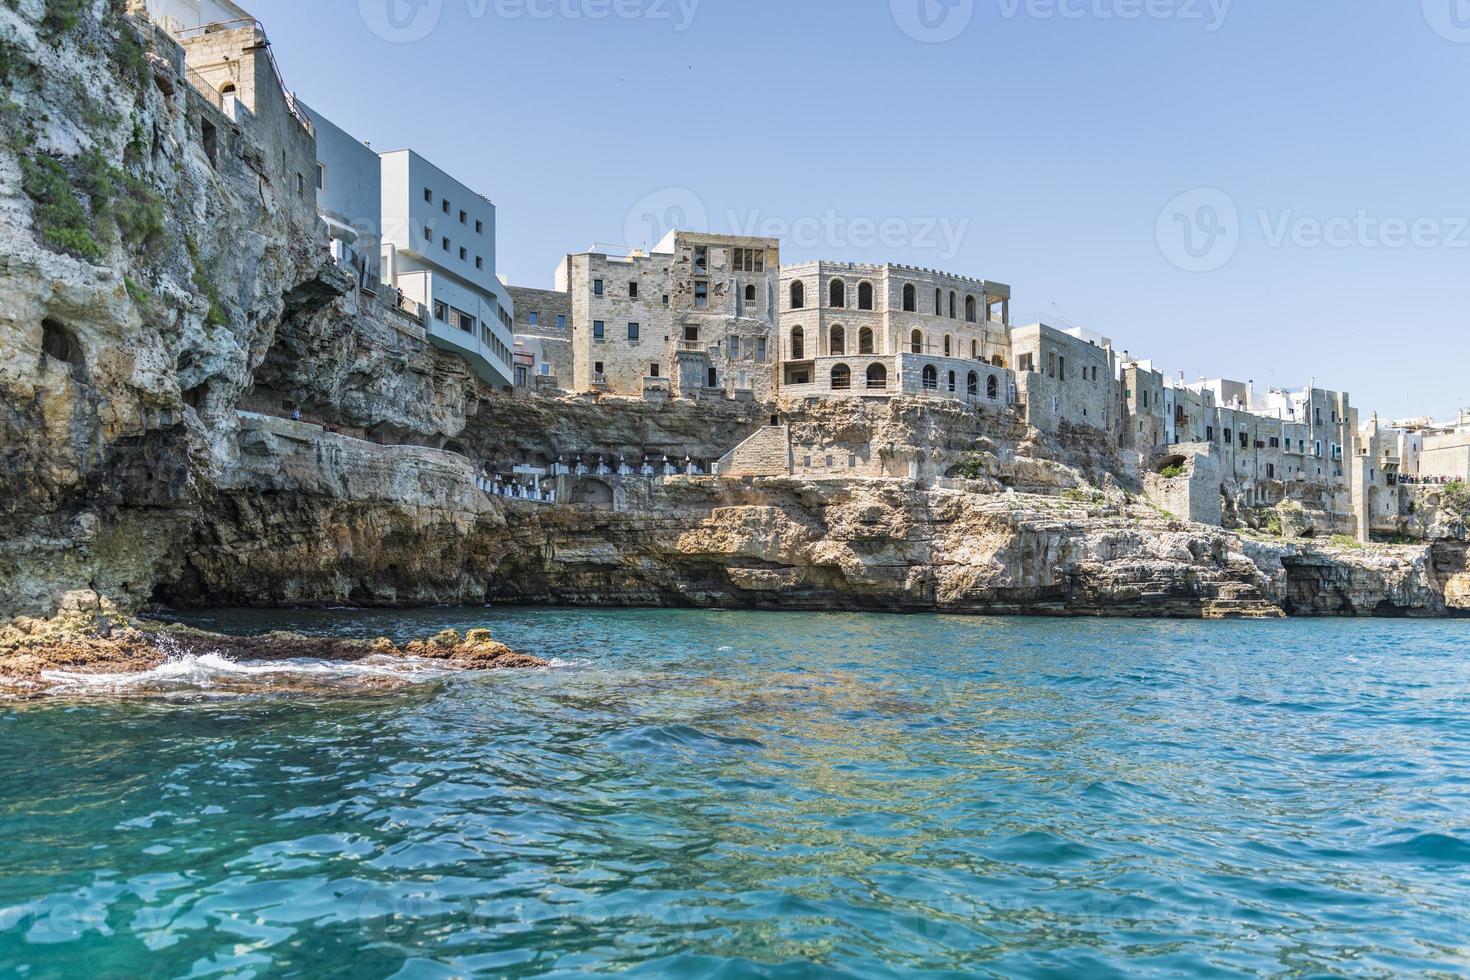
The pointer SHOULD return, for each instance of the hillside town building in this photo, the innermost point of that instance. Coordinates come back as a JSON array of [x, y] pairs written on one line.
[[706, 316]]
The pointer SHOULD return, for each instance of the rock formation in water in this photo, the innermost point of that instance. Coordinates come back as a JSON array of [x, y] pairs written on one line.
[[158, 275]]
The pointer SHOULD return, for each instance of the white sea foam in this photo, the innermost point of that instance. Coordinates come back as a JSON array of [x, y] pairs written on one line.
[[214, 671]]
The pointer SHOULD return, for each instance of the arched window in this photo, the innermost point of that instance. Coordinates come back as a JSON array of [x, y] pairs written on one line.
[[865, 341], [798, 344], [939, 302], [798, 294], [969, 309], [972, 385], [837, 297], [865, 296], [951, 381], [910, 301], [750, 293], [916, 342], [877, 376], [837, 342], [952, 308], [947, 345], [841, 378], [931, 378], [992, 388], [975, 349]]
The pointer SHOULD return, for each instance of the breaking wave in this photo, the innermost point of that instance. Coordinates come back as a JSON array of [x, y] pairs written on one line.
[[212, 673]]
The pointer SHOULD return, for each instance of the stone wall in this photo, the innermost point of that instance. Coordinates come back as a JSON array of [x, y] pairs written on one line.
[[1195, 496], [767, 453]]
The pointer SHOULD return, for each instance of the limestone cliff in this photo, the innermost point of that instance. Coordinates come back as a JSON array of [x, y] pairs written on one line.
[[143, 271], [160, 272]]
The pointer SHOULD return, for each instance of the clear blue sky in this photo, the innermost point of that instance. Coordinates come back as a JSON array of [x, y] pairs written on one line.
[[1049, 137]]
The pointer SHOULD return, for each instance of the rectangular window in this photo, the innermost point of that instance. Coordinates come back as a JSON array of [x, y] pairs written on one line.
[[597, 329], [597, 287], [463, 218], [441, 311], [561, 321], [653, 370], [479, 227], [734, 347], [446, 244], [479, 262], [321, 177], [534, 318], [701, 258], [301, 185], [445, 206], [760, 349], [633, 331], [428, 196], [597, 368], [701, 295], [464, 254], [632, 290], [428, 235]]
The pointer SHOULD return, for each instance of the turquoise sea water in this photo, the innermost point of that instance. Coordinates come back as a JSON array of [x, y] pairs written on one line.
[[729, 794]]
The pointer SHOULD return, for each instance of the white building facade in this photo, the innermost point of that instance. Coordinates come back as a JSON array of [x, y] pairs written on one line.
[[438, 249]]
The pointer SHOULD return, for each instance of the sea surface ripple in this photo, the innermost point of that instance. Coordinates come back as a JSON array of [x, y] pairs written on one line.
[[698, 794]]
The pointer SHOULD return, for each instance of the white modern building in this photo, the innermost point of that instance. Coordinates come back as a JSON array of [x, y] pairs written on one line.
[[438, 248], [349, 198]]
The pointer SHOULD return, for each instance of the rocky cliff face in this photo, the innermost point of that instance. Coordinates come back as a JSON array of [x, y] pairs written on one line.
[[140, 284], [320, 518], [154, 281]]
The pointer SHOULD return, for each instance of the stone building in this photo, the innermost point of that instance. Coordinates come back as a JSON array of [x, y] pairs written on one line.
[[1067, 376], [853, 330], [543, 338], [228, 60], [694, 318]]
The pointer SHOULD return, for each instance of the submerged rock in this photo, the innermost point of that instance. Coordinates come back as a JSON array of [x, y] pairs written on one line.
[[80, 644]]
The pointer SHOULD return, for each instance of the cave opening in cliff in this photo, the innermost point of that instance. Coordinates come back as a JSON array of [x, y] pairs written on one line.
[[60, 343]]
